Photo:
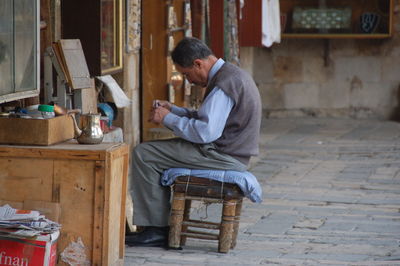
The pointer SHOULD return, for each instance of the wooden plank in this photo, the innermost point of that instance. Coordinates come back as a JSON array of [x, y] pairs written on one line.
[[116, 152], [176, 219], [155, 72], [201, 224], [197, 17], [46, 33], [217, 28], [334, 36], [75, 63], [100, 214], [66, 150], [36, 131], [59, 63], [391, 17], [22, 179], [77, 196], [154, 50], [227, 221], [123, 189], [89, 99], [200, 236], [107, 212], [202, 233], [114, 222], [34, 152], [250, 24]]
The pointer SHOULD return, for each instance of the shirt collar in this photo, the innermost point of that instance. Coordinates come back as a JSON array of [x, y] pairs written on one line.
[[214, 69]]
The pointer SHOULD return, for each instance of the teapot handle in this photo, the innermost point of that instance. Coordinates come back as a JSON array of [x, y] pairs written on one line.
[[77, 130]]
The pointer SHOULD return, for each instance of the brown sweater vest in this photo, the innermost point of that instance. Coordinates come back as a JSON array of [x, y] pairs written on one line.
[[242, 130]]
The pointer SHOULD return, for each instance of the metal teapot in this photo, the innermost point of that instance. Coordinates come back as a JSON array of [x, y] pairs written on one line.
[[90, 131]]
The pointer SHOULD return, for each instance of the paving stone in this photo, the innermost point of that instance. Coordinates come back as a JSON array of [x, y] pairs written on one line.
[[358, 132], [273, 223], [331, 196]]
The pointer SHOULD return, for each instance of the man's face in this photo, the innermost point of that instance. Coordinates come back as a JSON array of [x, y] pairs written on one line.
[[195, 74]]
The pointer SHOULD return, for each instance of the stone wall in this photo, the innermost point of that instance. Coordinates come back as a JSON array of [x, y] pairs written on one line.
[[329, 78]]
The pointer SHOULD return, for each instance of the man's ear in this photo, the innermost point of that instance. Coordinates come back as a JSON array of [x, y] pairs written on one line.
[[198, 62]]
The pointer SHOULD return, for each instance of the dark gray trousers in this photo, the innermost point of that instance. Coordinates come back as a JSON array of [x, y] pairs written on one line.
[[151, 201]]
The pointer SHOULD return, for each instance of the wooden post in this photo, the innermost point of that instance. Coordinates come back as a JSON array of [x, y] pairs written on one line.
[[226, 231], [236, 222], [176, 218], [186, 216]]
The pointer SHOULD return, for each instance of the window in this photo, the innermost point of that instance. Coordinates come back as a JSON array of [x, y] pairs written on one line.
[[19, 49]]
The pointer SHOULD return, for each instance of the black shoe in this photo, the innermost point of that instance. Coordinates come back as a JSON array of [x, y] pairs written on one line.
[[149, 237]]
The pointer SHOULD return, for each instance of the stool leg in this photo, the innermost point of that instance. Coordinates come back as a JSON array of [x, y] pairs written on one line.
[[236, 224], [226, 228], [176, 217], [186, 217]]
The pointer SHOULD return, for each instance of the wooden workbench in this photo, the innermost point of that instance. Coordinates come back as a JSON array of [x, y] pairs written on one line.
[[88, 181]]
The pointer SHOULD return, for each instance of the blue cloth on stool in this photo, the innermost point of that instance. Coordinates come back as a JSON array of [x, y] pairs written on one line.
[[245, 180]]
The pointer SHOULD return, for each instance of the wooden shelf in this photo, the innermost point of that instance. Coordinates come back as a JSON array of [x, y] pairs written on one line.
[[333, 36]]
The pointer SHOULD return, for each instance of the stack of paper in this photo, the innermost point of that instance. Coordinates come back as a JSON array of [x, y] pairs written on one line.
[[24, 223]]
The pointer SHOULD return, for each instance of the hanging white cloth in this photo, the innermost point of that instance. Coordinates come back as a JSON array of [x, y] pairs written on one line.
[[271, 22], [241, 5]]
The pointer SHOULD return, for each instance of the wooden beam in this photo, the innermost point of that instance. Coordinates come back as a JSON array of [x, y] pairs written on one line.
[[217, 27]]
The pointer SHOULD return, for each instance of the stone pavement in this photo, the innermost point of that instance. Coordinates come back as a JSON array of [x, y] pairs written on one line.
[[331, 190]]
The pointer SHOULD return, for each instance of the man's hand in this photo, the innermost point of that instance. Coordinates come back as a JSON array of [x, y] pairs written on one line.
[[160, 103], [157, 115]]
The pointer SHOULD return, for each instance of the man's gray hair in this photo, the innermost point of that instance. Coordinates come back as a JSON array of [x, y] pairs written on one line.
[[188, 50]]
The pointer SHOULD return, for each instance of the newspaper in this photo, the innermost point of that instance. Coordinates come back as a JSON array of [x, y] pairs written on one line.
[[9, 213], [24, 223]]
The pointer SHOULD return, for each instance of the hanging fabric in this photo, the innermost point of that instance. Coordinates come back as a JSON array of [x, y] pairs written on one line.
[[271, 24], [241, 5]]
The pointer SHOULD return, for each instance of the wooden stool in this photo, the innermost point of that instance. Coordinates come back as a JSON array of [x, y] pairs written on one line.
[[188, 188]]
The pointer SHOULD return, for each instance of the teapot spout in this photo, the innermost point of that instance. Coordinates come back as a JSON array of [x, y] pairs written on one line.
[[77, 130]]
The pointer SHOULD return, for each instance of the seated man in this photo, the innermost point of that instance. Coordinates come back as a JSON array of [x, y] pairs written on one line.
[[222, 135]]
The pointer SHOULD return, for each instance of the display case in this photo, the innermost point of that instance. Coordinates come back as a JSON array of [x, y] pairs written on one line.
[[336, 18], [19, 49], [98, 25], [327, 19]]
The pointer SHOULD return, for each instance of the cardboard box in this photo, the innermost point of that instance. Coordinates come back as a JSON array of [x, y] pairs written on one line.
[[27, 131], [21, 251]]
